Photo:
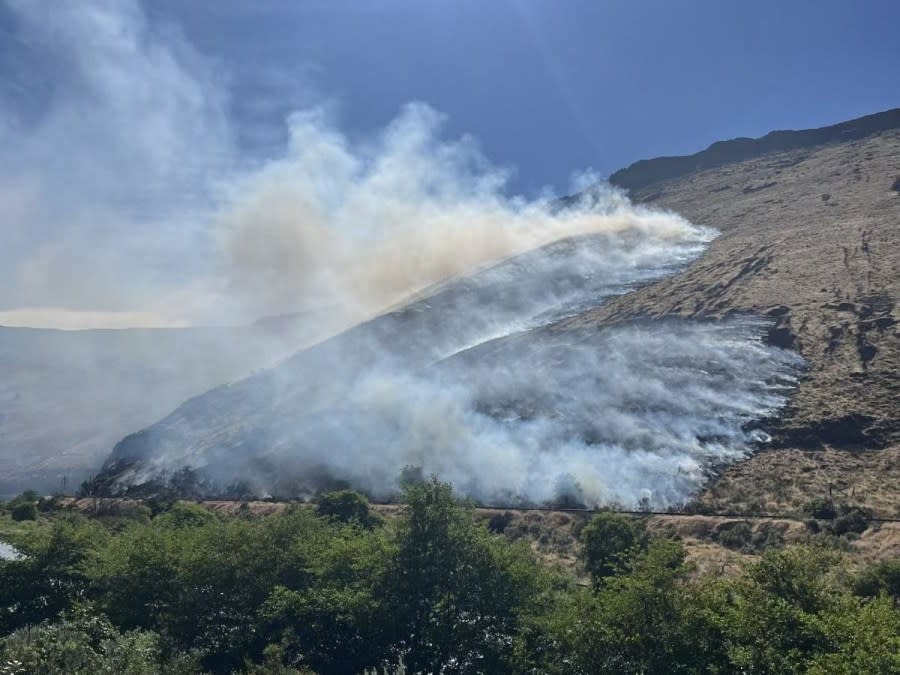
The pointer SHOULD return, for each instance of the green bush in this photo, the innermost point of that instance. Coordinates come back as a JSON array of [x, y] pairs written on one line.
[[184, 515], [850, 520], [498, 521], [607, 540], [48, 504], [637, 622], [29, 497], [410, 476], [822, 509], [346, 506], [24, 511], [88, 644], [736, 536], [879, 578]]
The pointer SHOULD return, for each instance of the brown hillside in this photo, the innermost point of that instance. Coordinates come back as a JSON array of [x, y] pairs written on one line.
[[811, 238]]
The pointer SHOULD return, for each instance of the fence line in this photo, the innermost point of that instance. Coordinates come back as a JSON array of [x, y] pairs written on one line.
[[716, 514]]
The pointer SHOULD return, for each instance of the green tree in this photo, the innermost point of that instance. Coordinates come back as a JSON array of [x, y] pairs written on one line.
[[635, 623], [88, 644], [879, 578], [24, 511], [458, 593], [27, 497], [792, 612], [50, 577], [861, 637], [185, 514], [203, 585], [607, 540], [346, 506], [338, 620]]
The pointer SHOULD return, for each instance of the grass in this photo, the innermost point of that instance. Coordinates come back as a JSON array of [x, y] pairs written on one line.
[[17, 532]]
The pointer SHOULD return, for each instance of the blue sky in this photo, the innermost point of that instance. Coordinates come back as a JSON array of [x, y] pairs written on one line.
[[139, 137], [552, 87]]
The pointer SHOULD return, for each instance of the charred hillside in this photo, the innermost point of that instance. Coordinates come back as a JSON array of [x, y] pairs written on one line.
[[811, 238]]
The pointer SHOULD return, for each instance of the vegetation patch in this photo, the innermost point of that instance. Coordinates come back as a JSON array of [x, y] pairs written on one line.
[[335, 588]]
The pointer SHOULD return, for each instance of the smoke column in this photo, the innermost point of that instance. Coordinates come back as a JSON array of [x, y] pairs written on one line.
[[361, 226]]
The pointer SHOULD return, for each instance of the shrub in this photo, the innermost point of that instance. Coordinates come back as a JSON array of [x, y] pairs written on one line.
[[498, 521], [346, 506], [634, 623], [159, 504], [851, 520], [881, 578], [411, 476], [48, 504], [87, 644], [823, 509], [185, 514], [767, 536], [27, 497], [736, 536], [24, 511], [606, 539]]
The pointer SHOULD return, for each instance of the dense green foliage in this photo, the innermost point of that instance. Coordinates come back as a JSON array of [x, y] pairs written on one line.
[[23, 507], [336, 589], [347, 506], [24, 511], [608, 540]]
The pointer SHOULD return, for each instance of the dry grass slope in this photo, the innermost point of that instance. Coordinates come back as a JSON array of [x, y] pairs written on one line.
[[810, 238]]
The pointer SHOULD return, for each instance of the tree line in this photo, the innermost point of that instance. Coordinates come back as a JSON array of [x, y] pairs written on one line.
[[171, 587]]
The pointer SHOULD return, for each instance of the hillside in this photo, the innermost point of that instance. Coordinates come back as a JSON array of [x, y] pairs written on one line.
[[649, 171], [473, 374], [811, 237], [809, 243]]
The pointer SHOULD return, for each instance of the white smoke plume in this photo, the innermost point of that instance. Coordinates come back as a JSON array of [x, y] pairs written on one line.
[[128, 193], [476, 383], [363, 226]]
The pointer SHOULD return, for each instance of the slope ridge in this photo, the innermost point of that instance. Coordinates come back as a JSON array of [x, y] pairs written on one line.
[[648, 171]]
